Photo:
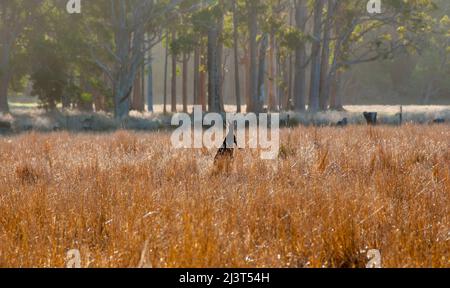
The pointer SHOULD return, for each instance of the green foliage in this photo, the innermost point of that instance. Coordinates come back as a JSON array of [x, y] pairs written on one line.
[[56, 50], [49, 76], [184, 43], [86, 97], [292, 38], [203, 19]]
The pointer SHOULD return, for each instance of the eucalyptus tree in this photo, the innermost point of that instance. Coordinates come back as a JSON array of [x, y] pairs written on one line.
[[363, 37], [208, 24], [236, 56], [15, 17], [252, 8], [183, 46], [121, 32], [313, 105], [301, 17]]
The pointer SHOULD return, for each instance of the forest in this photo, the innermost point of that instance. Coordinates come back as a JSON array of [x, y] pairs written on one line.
[[95, 99], [256, 55]]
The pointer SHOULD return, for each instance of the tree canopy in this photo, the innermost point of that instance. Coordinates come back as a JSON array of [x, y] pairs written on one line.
[[96, 59]]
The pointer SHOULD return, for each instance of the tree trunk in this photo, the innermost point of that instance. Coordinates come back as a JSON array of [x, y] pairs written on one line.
[[290, 67], [315, 57], [128, 53], [301, 14], [174, 79], [202, 81], [247, 88], [166, 68], [324, 91], [196, 76], [272, 74], [150, 82], [213, 71], [185, 82], [124, 75], [279, 70], [282, 70], [236, 59], [4, 81], [122, 92], [253, 30], [5, 77], [259, 103], [333, 89], [335, 93], [138, 95], [65, 98], [220, 66], [334, 75]]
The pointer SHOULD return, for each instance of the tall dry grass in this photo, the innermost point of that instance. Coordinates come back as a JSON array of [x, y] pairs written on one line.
[[125, 199]]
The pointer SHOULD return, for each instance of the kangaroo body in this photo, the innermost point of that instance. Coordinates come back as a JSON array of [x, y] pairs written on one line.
[[225, 155], [226, 151]]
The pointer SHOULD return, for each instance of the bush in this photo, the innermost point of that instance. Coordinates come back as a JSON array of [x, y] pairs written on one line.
[[49, 76]]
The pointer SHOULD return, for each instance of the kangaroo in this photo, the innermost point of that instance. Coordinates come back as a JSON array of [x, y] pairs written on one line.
[[225, 154]]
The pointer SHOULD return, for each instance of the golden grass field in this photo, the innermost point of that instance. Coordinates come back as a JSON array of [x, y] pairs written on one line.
[[128, 199]]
